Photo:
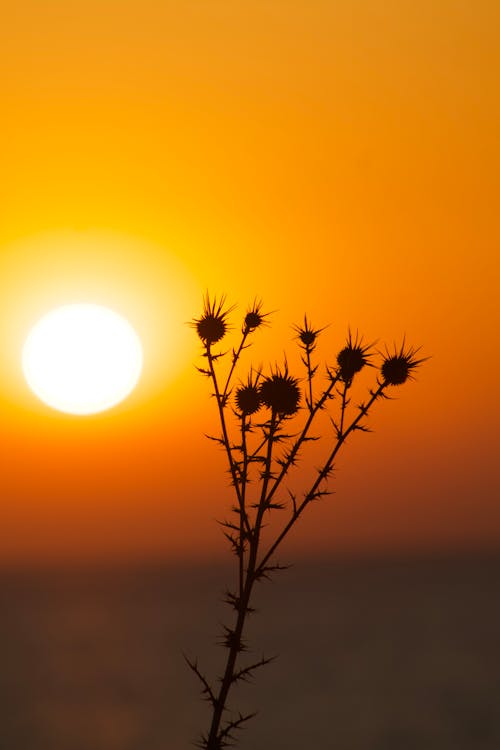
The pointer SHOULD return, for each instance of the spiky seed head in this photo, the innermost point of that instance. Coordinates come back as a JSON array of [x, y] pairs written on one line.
[[307, 334], [212, 325], [254, 318], [248, 399], [211, 329], [352, 358], [280, 392], [307, 337], [398, 367]]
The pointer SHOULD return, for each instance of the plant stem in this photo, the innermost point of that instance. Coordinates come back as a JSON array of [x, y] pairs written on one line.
[[309, 401], [322, 475], [227, 680], [236, 356], [343, 408], [225, 436], [235, 640], [244, 480], [302, 437]]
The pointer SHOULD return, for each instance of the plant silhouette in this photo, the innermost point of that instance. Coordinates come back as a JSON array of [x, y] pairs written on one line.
[[266, 421]]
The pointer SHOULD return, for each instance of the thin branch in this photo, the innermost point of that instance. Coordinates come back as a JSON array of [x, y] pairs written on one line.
[[292, 455], [225, 737], [207, 690], [310, 374], [343, 407], [227, 445], [246, 673], [323, 474], [235, 358], [244, 481]]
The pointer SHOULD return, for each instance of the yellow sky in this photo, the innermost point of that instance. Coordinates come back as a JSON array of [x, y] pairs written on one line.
[[339, 158]]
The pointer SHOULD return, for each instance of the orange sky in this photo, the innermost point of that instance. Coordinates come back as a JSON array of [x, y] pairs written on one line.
[[335, 158]]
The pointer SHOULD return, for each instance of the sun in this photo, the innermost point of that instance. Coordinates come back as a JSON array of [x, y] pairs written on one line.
[[82, 358]]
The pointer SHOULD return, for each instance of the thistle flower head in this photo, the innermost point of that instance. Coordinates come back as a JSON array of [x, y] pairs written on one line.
[[399, 365], [353, 357], [212, 325], [254, 318], [280, 392], [307, 334], [248, 399]]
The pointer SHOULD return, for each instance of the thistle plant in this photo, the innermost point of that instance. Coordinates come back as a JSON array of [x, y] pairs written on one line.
[[266, 422]]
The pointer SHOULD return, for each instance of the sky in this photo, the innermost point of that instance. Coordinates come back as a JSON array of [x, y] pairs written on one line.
[[338, 159]]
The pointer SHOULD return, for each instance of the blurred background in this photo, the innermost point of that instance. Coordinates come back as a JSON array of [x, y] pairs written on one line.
[[339, 159], [371, 654]]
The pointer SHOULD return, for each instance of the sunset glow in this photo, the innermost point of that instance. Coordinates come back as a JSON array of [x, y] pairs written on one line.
[[249, 363], [333, 159], [82, 359]]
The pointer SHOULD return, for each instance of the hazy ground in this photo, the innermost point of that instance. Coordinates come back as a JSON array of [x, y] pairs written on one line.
[[385, 656]]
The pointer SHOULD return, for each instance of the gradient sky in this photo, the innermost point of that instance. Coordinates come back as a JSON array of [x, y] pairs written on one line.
[[335, 158]]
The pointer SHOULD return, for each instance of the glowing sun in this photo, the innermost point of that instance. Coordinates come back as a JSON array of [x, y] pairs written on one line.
[[82, 358]]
